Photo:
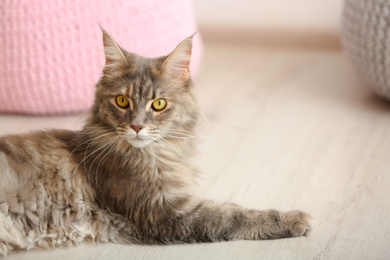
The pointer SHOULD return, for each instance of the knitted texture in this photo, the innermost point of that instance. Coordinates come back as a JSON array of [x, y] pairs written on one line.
[[366, 40], [52, 52]]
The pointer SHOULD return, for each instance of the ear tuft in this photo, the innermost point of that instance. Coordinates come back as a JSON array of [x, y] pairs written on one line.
[[177, 64], [113, 53]]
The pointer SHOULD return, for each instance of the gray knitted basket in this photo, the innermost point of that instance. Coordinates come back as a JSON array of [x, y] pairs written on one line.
[[366, 41]]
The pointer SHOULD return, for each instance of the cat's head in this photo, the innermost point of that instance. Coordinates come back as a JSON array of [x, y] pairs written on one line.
[[146, 100]]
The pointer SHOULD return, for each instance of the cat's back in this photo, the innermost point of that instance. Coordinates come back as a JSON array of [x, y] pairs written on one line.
[[27, 158]]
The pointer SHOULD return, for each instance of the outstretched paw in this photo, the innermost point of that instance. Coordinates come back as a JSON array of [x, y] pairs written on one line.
[[297, 223]]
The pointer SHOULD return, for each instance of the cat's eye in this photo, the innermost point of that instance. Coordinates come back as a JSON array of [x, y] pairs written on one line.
[[122, 101], [159, 104]]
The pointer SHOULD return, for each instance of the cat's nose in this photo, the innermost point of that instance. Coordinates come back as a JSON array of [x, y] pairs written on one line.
[[137, 128]]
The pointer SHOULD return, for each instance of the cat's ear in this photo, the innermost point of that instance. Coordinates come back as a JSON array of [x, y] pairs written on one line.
[[113, 53], [177, 64]]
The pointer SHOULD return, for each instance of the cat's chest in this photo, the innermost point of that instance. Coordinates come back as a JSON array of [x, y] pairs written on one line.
[[142, 182], [151, 162], [151, 172], [138, 170]]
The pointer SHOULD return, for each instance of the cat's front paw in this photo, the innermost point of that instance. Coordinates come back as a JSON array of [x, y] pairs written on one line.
[[297, 223]]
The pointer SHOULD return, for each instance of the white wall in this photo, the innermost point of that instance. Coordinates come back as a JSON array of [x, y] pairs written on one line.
[[264, 14]]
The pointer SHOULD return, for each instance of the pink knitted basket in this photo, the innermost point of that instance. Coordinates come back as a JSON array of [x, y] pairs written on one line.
[[52, 53]]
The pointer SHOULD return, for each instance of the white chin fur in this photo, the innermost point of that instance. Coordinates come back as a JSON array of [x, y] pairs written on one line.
[[139, 143], [139, 140]]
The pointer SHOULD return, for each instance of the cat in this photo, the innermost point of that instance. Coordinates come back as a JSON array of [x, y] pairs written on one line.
[[127, 176]]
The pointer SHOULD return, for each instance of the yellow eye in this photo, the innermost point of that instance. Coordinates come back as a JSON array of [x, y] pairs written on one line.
[[159, 104], [122, 101]]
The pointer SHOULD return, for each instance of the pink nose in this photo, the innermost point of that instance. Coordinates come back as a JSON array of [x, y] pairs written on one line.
[[136, 128]]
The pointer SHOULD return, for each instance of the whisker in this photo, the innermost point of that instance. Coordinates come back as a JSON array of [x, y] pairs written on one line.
[[113, 143], [169, 147], [93, 128], [86, 150], [183, 134], [179, 133], [88, 140], [178, 137], [105, 146]]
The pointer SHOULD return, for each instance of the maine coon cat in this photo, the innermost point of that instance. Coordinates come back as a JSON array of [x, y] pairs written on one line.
[[126, 176]]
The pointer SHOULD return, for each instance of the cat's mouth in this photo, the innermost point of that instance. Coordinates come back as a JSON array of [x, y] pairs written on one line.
[[139, 137], [139, 141]]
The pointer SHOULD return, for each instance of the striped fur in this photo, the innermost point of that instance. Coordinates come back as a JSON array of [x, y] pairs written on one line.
[[106, 183]]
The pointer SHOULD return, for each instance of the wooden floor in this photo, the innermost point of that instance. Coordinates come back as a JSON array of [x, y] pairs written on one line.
[[286, 129]]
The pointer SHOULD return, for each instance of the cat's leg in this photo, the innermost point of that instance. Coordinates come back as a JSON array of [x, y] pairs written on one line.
[[209, 221], [11, 233]]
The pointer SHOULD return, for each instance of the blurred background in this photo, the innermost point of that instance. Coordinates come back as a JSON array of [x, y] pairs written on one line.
[[299, 21]]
